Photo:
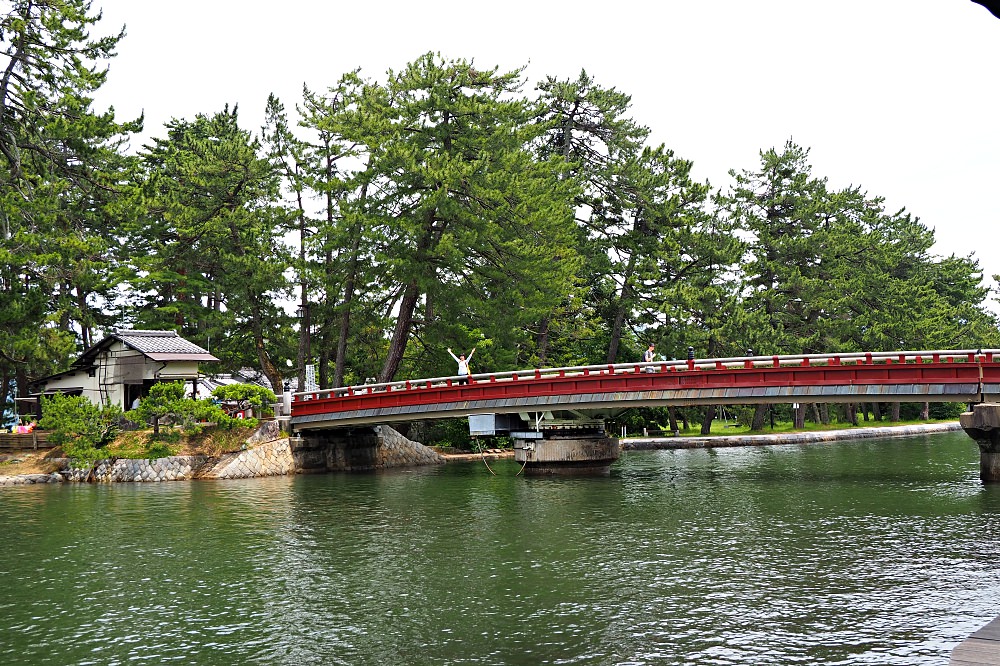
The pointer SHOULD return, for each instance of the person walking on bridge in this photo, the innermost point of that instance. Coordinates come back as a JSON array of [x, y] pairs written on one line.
[[463, 365]]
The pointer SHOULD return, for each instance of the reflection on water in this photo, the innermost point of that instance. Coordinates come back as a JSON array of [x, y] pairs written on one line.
[[875, 552]]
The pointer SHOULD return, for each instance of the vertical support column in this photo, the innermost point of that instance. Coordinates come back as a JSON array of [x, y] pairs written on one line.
[[567, 454], [983, 425]]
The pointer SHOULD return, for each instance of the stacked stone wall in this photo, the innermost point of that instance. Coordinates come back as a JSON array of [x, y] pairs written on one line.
[[30, 479], [395, 450], [268, 459], [173, 468], [267, 453]]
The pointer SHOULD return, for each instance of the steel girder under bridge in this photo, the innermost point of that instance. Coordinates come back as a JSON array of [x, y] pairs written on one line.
[[599, 390]]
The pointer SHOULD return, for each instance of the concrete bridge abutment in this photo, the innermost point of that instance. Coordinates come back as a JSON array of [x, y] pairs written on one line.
[[567, 454], [358, 450], [983, 425]]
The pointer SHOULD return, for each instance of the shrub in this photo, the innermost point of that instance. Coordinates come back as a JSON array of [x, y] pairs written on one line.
[[448, 433], [166, 403], [162, 401], [80, 427], [258, 397]]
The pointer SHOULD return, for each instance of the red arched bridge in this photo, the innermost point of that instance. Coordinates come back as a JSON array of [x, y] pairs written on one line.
[[555, 416], [913, 376]]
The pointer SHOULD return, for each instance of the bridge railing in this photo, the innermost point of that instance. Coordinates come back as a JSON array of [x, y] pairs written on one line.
[[987, 356]]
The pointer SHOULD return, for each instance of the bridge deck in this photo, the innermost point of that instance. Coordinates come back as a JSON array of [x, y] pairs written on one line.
[[932, 376]]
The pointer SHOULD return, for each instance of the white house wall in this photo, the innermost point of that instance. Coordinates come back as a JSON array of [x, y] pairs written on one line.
[[120, 366]]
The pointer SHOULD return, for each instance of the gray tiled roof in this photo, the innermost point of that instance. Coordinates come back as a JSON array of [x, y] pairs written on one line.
[[156, 345], [162, 345]]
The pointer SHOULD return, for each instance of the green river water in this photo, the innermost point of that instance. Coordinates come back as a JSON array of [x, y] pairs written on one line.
[[855, 552]]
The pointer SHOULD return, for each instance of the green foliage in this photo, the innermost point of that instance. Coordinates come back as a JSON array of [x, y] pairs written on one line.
[[80, 427], [440, 207], [61, 169], [448, 433], [207, 254], [137, 444], [452, 206], [259, 397], [830, 271], [938, 411], [166, 404]]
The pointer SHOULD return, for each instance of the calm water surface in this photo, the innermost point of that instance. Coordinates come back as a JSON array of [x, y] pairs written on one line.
[[874, 552]]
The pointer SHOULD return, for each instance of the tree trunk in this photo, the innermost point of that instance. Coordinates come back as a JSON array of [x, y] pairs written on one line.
[[616, 333], [824, 414], [305, 324], [706, 423], [268, 367], [894, 412], [876, 411], [400, 335], [815, 411], [621, 311], [852, 413], [349, 288], [542, 343], [411, 295], [799, 417], [759, 414], [925, 412], [672, 416]]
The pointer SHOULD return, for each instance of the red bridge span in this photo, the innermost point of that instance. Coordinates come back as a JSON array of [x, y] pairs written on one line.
[[914, 376]]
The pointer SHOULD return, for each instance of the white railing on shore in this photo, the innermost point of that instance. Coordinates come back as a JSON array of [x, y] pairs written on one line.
[[727, 363]]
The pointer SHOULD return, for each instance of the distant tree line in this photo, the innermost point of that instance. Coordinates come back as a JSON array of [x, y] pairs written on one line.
[[446, 206]]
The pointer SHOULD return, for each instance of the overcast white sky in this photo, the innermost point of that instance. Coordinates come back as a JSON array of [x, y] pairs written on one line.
[[898, 96]]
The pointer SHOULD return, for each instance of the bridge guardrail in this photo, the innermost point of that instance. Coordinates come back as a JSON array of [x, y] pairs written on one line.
[[981, 356]]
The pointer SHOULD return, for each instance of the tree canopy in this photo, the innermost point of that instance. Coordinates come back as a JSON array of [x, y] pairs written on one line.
[[445, 206]]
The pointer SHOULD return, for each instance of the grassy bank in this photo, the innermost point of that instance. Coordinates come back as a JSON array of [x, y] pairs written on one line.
[[722, 428]]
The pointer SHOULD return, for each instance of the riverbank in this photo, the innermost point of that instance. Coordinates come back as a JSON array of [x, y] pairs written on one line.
[[713, 441], [272, 458], [716, 441]]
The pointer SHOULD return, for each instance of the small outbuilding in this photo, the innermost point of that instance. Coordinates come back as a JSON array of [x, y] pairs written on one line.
[[119, 369]]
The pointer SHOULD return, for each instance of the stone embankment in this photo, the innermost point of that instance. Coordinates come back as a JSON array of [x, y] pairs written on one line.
[[269, 452], [652, 443]]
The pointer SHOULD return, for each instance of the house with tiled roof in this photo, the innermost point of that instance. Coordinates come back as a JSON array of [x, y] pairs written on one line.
[[122, 367]]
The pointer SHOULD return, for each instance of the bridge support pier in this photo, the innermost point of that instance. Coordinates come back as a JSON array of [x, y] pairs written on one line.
[[567, 454], [983, 425]]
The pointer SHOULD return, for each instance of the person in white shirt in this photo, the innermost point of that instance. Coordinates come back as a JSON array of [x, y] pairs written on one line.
[[649, 356], [463, 365]]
